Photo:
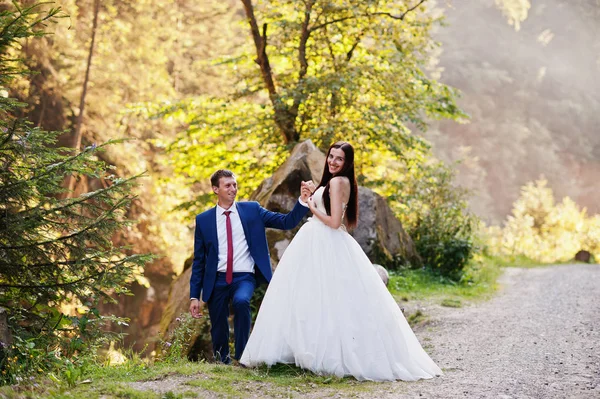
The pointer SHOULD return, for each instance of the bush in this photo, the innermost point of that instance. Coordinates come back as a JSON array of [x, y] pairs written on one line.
[[440, 224], [545, 231]]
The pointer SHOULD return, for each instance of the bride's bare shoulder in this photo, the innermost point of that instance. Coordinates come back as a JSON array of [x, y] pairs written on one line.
[[340, 181], [341, 186]]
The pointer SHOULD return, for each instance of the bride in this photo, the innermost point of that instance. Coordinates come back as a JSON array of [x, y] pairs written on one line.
[[326, 308]]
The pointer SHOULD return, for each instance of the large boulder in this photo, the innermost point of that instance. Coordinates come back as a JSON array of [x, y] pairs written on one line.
[[379, 232], [279, 192]]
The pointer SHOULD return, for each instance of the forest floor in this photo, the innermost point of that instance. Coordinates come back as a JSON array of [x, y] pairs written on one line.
[[537, 337]]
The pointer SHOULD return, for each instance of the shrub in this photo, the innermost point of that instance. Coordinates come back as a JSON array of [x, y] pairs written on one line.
[[545, 231], [440, 224]]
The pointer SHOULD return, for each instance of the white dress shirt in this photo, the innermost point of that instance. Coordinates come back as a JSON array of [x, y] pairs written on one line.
[[242, 260]]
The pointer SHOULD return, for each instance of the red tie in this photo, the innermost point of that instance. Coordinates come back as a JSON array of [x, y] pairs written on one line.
[[229, 273]]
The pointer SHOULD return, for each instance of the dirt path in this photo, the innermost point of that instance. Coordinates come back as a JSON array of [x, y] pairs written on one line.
[[539, 337]]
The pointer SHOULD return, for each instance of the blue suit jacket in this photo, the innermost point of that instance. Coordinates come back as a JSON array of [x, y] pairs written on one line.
[[254, 219]]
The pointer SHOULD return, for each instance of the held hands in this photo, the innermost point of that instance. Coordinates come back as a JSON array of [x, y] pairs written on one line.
[[311, 204], [196, 308], [306, 190]]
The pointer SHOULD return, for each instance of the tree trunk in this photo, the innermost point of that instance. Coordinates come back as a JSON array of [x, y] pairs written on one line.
[[76, 141], [285, 118]]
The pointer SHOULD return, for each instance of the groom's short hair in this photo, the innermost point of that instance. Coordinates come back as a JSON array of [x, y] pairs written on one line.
[[214, 179]]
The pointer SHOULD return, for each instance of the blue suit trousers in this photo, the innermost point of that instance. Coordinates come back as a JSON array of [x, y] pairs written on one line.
[[238, 295]]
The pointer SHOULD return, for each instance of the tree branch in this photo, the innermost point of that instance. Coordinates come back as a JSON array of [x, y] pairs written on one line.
[[50, 169], [305, 34], [401, 16], [57, 284], [386, 14], [83, 198], [88, 277], [260, 42], [351, 51], [91, 260], [63, 238], [10, 134]]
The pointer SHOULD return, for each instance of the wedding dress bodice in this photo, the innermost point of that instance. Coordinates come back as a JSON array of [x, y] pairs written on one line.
[[320, 203]]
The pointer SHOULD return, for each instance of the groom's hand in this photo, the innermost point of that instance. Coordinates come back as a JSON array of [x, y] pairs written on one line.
[[306, 190], [311, 186], [196, 309]]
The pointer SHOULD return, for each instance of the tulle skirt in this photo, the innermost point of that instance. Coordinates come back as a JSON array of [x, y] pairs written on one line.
[[327, 310]]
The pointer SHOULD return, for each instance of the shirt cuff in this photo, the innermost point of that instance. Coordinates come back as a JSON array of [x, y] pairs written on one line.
[[304, 204], [191, 299]]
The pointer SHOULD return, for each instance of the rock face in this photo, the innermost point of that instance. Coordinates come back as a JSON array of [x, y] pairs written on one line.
[[513, 137], [5, 335], [380, 233], [146, 306]]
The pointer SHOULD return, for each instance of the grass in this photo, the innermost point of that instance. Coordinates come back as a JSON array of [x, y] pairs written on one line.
[[451, 303], [479, 282], [524, 262], [107, 382], [280, 379], [516, 261]]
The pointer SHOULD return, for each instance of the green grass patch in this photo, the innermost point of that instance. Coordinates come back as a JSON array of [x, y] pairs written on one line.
[[277, 380], [514, 261], [478, 282], [416, 318], [451, 303], [108, 382], [524, 262]]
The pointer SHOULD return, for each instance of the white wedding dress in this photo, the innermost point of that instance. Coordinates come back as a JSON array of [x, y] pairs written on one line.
[[327, 310]]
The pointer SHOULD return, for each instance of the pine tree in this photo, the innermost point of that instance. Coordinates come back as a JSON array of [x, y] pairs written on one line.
[[54, 251]]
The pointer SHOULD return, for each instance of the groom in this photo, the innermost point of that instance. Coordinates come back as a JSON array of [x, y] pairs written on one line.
[[230, 255]]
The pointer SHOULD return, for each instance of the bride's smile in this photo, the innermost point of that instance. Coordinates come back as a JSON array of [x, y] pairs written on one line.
[[335, 160]]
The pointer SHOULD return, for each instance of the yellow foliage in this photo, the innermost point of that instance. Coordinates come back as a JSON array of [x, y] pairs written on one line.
[[515, 11], [544, 231]]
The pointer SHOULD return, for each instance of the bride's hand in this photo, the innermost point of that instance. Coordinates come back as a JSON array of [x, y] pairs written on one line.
[[311, 204]]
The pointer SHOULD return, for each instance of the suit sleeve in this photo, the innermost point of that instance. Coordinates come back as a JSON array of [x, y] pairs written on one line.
[[199, 263], [283, 221]]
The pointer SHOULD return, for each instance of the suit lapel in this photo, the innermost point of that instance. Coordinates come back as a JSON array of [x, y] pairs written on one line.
[[243, 218], [212, 222]]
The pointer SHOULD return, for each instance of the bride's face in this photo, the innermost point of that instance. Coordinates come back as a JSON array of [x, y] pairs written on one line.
[[335, 160]]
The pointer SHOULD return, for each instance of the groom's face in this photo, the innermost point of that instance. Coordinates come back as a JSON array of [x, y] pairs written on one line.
[[226, 191]]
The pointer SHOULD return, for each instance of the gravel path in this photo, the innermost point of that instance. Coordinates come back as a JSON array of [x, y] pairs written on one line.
[[539, 337]]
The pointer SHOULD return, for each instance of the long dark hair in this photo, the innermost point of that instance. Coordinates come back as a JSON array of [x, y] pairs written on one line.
[[348, 171]]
